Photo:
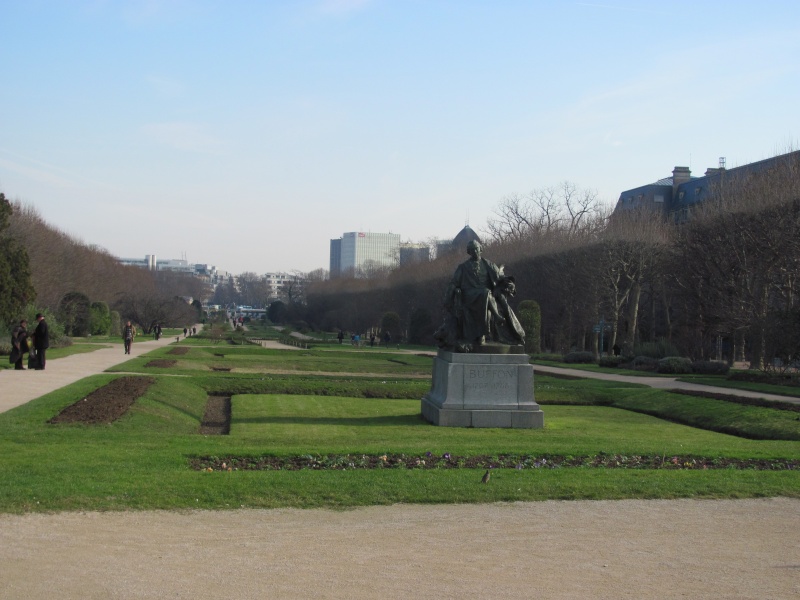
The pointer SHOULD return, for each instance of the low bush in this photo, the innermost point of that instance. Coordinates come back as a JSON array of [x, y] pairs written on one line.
[[676, 365], [583, 357], [611, 362], [658, 349], [645, 363], [710, 367]]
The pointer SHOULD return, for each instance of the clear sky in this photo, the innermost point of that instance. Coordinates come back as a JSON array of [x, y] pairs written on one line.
[[246, 134]]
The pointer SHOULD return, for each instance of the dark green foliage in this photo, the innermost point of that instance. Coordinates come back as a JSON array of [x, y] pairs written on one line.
[[74, 312], [677, 365], [420, 326], [611, 362], [710, 367], [391, 323], [99, 319], [15, 274], [277, 312], [530, 317], [582, 357], [658, 349], [645, 363]]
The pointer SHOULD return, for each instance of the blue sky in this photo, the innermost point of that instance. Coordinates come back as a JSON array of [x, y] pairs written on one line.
[[247, 134]]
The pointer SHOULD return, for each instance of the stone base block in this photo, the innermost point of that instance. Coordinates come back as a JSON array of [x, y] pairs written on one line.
[[516, 419], [482, 390]]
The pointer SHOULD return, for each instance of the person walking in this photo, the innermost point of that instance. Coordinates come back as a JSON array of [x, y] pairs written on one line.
[[41, 341], [128, 333]]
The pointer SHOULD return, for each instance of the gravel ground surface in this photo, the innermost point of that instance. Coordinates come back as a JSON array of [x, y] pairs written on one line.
[[624, 549]]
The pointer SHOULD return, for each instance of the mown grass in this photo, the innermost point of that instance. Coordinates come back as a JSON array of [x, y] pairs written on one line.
[[142, 460], [250, 358]]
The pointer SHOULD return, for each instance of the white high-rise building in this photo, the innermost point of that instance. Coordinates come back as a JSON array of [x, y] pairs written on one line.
[[360, 251]]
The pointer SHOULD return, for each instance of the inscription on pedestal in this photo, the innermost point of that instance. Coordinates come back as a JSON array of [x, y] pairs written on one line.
[[480, 382]]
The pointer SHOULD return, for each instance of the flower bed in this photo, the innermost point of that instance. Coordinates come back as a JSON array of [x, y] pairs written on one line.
[[342, 462]]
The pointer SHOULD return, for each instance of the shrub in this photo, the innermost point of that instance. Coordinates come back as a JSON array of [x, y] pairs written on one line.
[[583, 357], [645, 363], [677, 365], [710, 367], [658, 349], [612, 362]]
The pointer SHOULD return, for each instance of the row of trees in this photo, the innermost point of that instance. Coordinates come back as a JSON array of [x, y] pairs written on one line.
[[82, 286], [722, 285]]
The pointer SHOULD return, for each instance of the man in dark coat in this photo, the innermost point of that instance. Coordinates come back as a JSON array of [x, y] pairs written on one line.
[[41, 341]]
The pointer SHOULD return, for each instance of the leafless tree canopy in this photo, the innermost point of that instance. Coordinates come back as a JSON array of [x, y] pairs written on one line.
[[62, 264], [722, 285]]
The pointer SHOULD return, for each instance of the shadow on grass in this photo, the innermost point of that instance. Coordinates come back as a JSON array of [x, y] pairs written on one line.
[[346, 421]]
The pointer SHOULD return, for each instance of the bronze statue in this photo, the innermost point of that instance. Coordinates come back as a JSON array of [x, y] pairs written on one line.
[[477, 307]]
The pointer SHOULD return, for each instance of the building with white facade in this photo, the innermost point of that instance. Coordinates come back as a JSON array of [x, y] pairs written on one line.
[[206, 272], [276, 282]]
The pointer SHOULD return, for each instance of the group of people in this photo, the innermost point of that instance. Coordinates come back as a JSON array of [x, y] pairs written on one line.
[[35, 345], [355, 339]]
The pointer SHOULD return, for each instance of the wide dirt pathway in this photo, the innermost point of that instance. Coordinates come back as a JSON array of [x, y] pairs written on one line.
[[743, 549]]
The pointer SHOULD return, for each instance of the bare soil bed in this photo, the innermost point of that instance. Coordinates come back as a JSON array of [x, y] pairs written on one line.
[[179, 351], [217, 418], [105, 404]]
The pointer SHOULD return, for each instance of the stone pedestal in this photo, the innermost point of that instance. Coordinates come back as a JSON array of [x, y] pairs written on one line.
[[482, 390]]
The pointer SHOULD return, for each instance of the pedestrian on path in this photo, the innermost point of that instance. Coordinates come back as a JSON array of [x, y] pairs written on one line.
[[128, 333], [41, 341]]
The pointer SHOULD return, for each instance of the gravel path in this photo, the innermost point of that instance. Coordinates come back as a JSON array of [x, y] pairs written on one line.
[[624, 549]]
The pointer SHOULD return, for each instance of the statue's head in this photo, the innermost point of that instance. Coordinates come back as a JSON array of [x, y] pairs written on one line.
[[474, 249]]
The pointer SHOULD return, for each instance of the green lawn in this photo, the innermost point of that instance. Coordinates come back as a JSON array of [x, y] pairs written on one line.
[[142, 461]]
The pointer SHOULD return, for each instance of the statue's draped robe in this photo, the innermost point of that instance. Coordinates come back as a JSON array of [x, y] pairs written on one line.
[[470, 296]]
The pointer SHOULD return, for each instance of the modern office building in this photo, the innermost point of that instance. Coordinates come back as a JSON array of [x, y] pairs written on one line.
[[356, 251], [336, 258]]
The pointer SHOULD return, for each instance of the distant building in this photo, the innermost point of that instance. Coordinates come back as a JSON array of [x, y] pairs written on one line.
[[678, 195], [276, 283], [357, 251], [336, 258], [414, 253], [206, 272], [458, 243]]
